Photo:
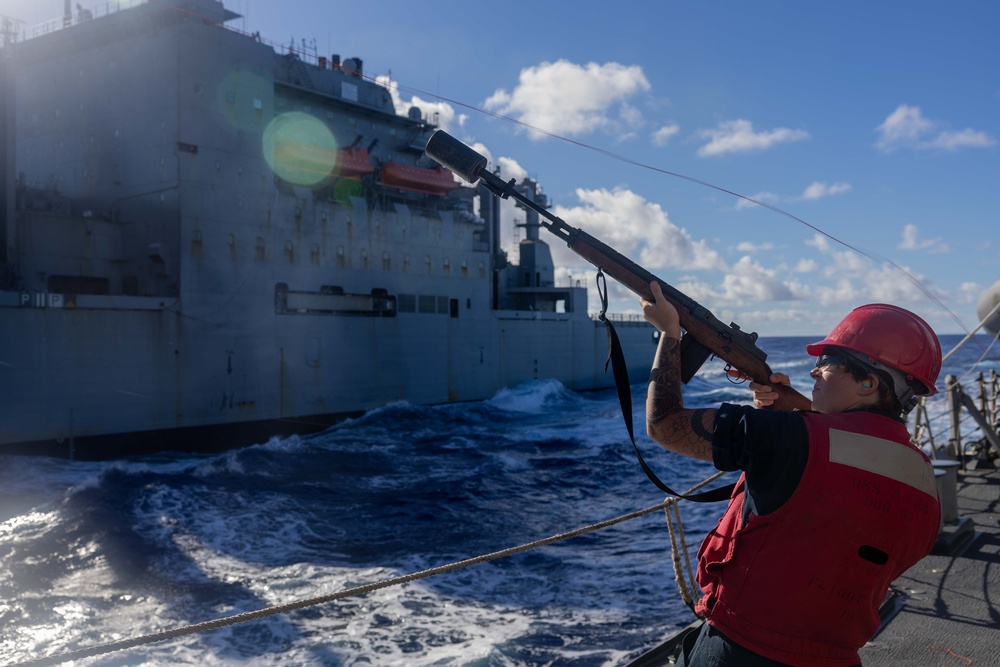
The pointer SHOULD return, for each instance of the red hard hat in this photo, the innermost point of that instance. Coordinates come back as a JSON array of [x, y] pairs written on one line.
[[891, 336]]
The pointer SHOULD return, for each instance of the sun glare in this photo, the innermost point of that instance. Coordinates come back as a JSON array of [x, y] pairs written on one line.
[[299, 148]]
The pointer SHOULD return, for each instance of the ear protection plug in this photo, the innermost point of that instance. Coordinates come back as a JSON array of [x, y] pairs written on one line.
[[867, 384]]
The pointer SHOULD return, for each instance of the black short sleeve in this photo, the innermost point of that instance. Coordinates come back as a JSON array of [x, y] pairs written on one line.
[[772, 447]]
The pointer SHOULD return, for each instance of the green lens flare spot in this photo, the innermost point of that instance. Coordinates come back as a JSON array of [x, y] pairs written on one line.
[[299, 148]]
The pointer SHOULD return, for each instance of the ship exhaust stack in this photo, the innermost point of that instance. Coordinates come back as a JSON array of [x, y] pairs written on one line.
[[534, 275]]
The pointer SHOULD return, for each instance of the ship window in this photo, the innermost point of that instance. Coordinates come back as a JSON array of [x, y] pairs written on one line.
[[406, 303], [442, 305], [427, 304], [78, 285], [130, 285]]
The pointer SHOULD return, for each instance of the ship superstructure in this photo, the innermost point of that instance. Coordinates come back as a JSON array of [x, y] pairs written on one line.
[[200, 231]]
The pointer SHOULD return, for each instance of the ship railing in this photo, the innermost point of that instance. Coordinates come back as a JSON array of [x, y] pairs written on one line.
[[626, 318], [968, 431], [79, 16]]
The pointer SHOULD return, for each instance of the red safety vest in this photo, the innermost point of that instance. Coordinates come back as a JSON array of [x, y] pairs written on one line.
[[803, 584]]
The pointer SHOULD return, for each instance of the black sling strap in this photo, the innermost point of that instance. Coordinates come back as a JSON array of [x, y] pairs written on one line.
[[617, 359]]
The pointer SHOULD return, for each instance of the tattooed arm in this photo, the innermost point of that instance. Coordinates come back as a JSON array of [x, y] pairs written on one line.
[[687, 432]]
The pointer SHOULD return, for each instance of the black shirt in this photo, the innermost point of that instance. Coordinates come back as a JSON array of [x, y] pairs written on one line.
[[772, 447]]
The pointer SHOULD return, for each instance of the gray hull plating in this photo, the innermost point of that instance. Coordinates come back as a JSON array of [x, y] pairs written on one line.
[[171, 260]]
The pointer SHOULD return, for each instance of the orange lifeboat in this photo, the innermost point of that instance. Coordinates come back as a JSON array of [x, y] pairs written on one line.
[[433, 180], [352, 163]]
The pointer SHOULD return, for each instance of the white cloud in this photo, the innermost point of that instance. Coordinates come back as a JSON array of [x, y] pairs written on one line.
[[819, 242], [481, 148], [510, 168], [970, 292], [441, 114], [735, 136], [749, 280], [906, 127], [698, 290], [856, 280], [637, 228], [752, 201], [747, 246], [572, 99], [847, 263], [912, 242], [819, 190], [816, 190], [806, 266], [776, 321], [890, 285], [665, 133], [903, 127], [967, 138]]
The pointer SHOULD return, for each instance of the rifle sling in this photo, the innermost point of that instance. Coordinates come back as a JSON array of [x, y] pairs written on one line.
[[617, 359]]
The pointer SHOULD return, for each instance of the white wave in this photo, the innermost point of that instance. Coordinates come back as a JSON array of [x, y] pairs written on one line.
[[531, 397]]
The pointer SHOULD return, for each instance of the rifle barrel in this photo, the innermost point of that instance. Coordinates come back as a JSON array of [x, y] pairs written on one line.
[[729, 343]]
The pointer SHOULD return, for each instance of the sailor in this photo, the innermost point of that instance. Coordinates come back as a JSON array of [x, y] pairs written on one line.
[[832, 505]]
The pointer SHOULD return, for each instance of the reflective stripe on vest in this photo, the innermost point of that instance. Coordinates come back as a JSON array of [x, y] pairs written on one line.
[[882, 457]]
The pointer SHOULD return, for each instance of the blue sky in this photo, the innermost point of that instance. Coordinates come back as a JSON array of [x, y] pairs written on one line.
[[875, 122]]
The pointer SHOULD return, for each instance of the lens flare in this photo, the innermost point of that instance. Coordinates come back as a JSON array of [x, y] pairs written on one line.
[[242, 99], [299, 148]]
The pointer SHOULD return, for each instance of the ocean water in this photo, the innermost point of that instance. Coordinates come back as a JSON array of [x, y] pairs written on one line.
[[96, 552]]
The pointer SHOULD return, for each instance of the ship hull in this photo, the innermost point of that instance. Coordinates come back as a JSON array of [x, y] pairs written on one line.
[[202, 234], [111, 376]]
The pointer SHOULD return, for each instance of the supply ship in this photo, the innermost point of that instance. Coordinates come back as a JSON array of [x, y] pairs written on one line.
[[208, 240]]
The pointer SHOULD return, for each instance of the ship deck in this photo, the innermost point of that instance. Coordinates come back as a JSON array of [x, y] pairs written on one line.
[[949, 611], [945, 610]]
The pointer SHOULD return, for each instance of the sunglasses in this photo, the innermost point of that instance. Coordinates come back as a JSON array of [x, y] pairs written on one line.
[[831, 360]]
